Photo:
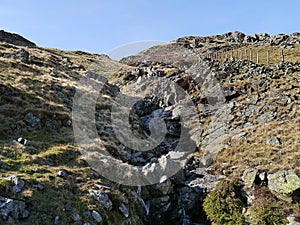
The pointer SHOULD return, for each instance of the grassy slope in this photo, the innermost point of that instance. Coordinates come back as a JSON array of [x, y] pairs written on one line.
[[28, 87]]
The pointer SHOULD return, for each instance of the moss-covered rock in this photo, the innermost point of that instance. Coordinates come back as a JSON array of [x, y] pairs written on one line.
[[283, 184]]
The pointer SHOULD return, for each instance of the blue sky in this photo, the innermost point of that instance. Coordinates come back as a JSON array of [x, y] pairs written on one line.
[[101, 25]]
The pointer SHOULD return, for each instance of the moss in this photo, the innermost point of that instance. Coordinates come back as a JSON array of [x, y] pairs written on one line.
[[224, 204], [270, 215], [266, 209]]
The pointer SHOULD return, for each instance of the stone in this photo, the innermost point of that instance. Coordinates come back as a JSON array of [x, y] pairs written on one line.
[[263, 176], [235, 36], [242, 135], [102, 198], [292, 220], [124, 210], [96, 216], [31, 120], [3, 165], [266, 117], [249, 177], [284, 184], [39, 187], [62, 174], [273, 140], [165, 187], [18, 184], [13, 208], [23, 141], [76, 217], [25, 214], [56, 220]]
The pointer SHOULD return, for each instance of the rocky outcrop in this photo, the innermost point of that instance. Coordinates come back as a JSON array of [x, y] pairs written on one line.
[[15, 39]]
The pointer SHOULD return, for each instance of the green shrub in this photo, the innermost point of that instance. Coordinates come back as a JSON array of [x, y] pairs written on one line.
[[224, 204], [270, 215], [266, 209]]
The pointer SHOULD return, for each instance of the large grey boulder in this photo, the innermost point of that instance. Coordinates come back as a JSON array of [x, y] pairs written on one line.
[[284, 184]]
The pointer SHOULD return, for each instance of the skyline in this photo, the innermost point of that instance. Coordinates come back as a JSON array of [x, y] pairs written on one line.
[[99, 26]]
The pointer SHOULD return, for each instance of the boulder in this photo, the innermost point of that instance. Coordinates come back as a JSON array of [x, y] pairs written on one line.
[[249, 177], [96, 216], [284, 184]]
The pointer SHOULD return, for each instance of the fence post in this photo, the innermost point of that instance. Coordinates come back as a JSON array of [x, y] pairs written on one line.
[[246, 54], [257, 56], [236, 54], [282, 56], [250, 54], [226, 55], [268, 57]]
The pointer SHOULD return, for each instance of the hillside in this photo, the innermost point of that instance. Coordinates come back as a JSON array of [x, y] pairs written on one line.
[[227, 154]]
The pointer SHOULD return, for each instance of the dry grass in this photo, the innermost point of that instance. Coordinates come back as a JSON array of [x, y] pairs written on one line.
[[255, 152]]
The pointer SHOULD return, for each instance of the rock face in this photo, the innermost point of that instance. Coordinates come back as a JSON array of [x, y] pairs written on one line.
[[15, 39]]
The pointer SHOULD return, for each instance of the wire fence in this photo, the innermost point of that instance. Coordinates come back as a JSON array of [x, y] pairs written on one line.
[[263, 55]]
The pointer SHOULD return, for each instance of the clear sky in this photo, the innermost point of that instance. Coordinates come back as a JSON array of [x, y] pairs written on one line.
[[101, 25]]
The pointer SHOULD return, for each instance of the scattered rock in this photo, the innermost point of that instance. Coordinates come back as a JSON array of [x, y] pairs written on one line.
[[96, 216], [31, 120], [124, 210], [18, 184], [76, 217], [12, 208], [56, 220], [23, 141], [102, 198], [39, 187], [3, 165], [62, 174], [273, 140]]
